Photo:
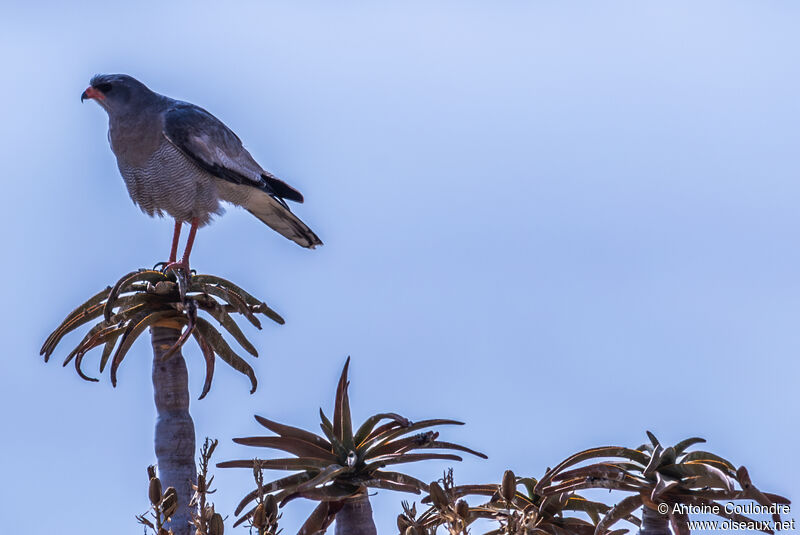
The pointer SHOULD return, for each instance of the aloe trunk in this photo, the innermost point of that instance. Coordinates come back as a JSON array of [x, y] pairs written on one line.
[[174, 434], [654, 523], [355, 518]]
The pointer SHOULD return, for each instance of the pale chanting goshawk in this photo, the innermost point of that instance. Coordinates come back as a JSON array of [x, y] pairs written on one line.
[[178, 159]]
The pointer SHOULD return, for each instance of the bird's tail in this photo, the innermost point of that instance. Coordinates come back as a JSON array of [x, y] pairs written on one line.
[[282, 220]]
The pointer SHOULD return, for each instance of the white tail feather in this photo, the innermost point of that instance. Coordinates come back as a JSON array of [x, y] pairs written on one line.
[[281, 220]]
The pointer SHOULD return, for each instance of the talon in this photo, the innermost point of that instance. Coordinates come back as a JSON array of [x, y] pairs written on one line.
[[177, 266]]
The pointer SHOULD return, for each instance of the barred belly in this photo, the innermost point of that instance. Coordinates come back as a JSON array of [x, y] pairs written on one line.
[[170, 182]]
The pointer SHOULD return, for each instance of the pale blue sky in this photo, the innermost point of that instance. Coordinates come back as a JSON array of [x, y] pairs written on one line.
[[562, 222]]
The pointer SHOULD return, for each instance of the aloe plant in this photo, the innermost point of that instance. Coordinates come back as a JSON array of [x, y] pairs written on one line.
[[656, 475], [169, 304], [337, 468], [515, 511]]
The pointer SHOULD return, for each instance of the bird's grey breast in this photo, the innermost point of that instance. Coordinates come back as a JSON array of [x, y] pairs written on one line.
[[159, 177], [134, 138]]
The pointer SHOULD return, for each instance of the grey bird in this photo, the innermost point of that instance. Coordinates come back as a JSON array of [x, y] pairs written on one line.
[[178, 159]]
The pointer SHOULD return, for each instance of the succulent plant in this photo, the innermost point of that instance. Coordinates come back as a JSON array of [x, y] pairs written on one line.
[[655, 475], [204, 516], [515, 511], [162, 504], [343, 462], [143, 298]]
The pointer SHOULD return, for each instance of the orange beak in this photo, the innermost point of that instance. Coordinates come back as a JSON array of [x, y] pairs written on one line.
[[91, 92]]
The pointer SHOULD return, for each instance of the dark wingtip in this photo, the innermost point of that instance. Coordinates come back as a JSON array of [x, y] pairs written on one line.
[[281, 189]]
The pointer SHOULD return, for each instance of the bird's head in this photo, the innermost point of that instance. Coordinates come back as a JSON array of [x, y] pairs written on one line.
[[117, 93]]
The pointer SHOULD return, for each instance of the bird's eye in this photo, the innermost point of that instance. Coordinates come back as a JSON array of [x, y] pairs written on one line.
[[103, 88]]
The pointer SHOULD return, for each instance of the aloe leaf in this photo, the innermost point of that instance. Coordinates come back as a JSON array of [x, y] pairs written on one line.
[[295, 446], [410, 458], [663, 484], [710, 475], [86, 343], [111, 342], [131, 334], [221, 348], [438, 444], [681, 446], [325, 475], [210, 360], [263, 308], [341, 409], [231, 297], [199, 280], [477, 490], [78, 360], [306, 463], [325, 424], [330, 493], [288, 482], [705, 455], [391, 485], [597, 470], [226, 321], [594, 453], [380, 432], [369, 424], [655, 462], [422, 424], [293, 432], [72, 322], [254, 302], [595, 483], [125, 282], [622, 509], [400, 479], [552, 504], [593, 509], [336, 446], [190, 327], [102, 336], [752, 492], [51, 340], [404, 444], [320, 519]]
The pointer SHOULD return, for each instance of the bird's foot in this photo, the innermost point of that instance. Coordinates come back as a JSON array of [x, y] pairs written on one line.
[[165, 266], [183, 275], [183, 265]]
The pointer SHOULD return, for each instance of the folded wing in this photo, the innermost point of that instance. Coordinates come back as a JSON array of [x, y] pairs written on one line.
[[215, 148]]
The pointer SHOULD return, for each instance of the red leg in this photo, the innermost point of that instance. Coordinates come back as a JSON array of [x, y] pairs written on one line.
[[190, 242], [173, 254], [184, 263]]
